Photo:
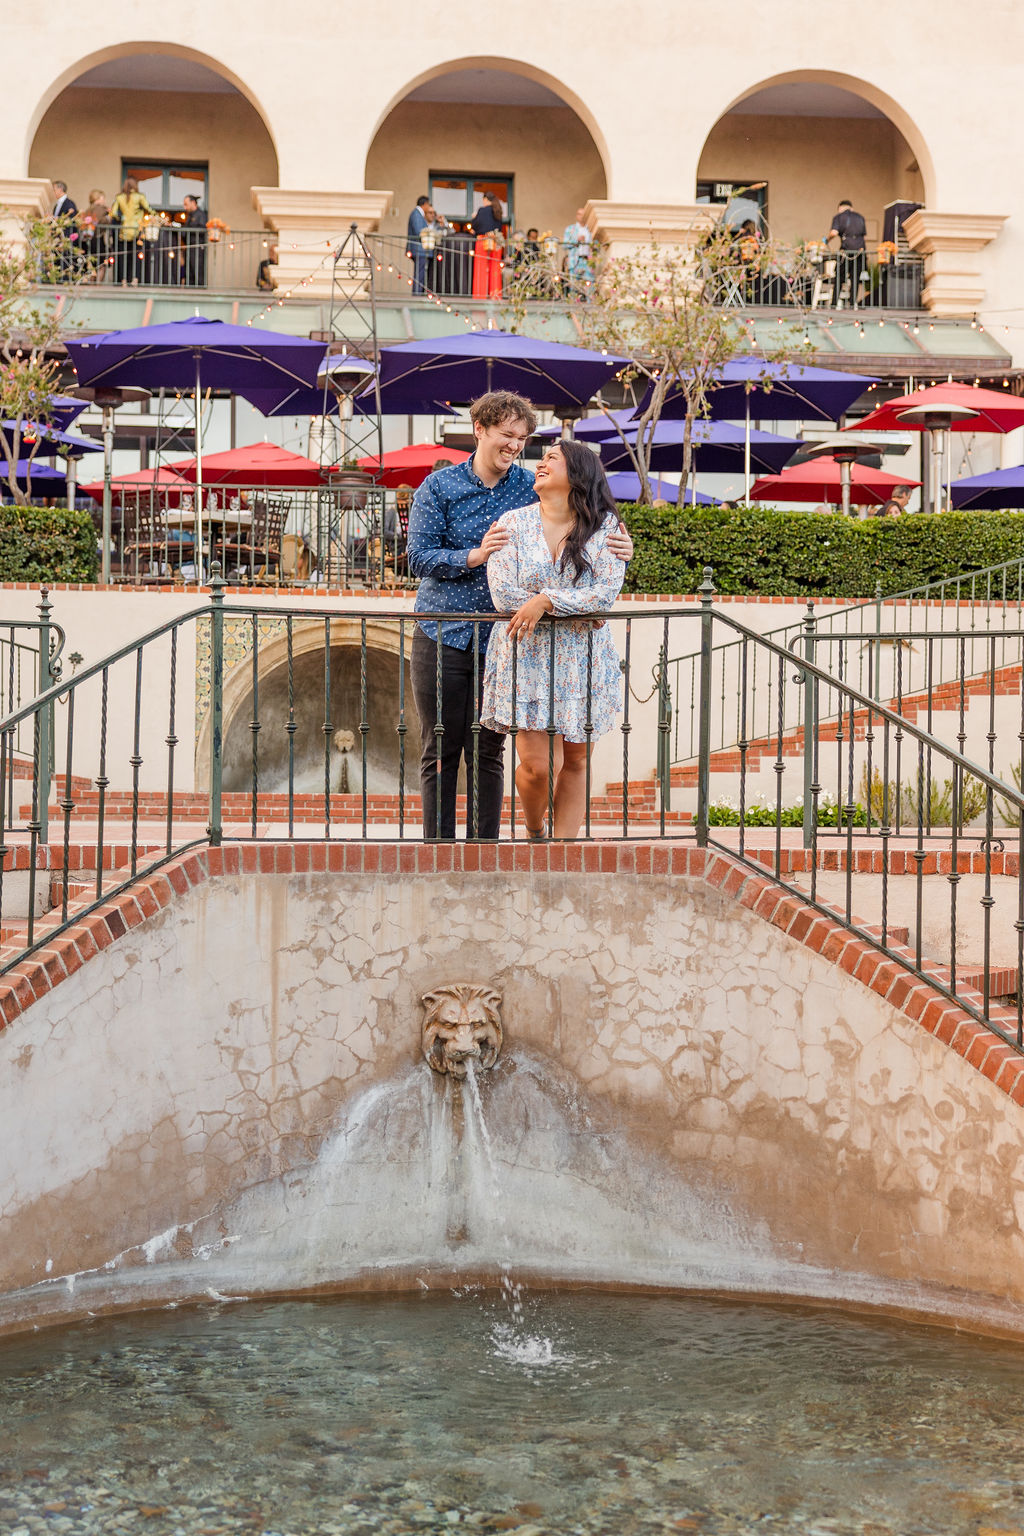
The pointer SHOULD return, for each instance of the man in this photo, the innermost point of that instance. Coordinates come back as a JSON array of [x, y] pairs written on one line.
[[850, 228], [452, 531], [193, 244], [64, 214], [418, 221], [897, 502]]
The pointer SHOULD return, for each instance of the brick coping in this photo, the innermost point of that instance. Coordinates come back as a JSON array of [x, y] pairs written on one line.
[[30, 980], [254, 595]]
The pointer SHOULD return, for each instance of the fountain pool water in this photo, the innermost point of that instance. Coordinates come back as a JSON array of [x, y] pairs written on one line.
[[596, 1413]]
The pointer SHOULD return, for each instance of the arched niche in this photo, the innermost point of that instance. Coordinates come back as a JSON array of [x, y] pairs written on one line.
[[491, 116], [816, 137], [159, 102], [386, 657]]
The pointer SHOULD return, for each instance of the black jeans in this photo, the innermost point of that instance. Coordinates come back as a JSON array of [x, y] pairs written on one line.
[[457, 715]]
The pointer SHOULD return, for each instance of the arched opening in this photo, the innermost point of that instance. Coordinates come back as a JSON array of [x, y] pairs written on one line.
[[177, 120], [301, 678], [470, 124], [802, 142]]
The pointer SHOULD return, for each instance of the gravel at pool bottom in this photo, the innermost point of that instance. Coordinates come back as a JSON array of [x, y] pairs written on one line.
[[585, 1413]]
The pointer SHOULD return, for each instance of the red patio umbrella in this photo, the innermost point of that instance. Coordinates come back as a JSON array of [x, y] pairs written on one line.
[[409, 466], [821, 480], [991, 410], [256, 464], [164, 480], [945, 408]]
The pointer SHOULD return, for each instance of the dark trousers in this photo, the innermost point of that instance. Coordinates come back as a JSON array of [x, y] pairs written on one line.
[[459, 708], [849, 266]]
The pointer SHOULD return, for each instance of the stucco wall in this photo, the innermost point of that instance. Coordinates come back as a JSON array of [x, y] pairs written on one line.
[[809, 163], [231, 1095], [552, 156], [85, 134]]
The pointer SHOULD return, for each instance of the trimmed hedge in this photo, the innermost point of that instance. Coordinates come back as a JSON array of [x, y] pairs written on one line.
[[754, 549], [46, 544]]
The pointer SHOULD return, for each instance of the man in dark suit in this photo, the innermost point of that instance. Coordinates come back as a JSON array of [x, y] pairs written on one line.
[[193, 244], [66, 245], [418, 222]]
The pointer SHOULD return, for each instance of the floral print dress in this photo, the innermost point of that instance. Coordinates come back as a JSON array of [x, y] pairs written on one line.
[[515, 574]]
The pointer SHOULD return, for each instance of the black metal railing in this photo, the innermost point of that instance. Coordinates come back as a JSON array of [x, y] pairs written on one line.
[[293, 723], [166, 254]]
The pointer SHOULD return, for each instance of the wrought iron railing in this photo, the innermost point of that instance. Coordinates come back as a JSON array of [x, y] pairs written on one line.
[[957, 615], [170, 255], [253, 698], [28, 667]]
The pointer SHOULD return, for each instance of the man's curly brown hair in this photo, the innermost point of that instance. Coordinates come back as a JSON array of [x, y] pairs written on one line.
[[501, 405]]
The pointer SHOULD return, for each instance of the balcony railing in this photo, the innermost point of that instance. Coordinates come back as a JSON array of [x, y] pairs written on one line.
[[457, 268]]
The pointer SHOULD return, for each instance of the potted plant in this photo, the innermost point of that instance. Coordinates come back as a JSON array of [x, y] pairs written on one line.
[[216, 229], [351, 484]]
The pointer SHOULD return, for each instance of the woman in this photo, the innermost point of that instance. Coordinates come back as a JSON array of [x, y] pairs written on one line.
[[556, 561], [92, 239], [130, 208], [488, 225]]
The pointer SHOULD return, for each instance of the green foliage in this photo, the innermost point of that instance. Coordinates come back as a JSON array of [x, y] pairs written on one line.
[[938, 811], [724, 814], [46, 544], [757, 550]]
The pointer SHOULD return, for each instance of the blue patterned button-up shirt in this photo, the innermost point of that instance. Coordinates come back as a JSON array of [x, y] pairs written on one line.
[[451, 512]]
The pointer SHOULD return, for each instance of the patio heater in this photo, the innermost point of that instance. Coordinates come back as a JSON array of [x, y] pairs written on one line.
[[939, 425], [109, 400], [846, 453]]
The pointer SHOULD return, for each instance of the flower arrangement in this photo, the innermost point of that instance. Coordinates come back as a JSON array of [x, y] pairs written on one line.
[[886, 252], [216, 228]]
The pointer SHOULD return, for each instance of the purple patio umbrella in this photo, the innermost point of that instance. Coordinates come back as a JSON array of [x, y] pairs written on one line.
[[593, 428], [755, 388], [29, 474], [625, 486], [197, 353], [990, 493], [457, 369], [718, 448]]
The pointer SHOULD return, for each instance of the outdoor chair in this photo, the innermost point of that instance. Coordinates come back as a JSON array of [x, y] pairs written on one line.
[[259, 544], [150, 550], [824, 290]]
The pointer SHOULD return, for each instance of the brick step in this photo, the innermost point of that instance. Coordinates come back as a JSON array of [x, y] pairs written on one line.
[[944, 696]]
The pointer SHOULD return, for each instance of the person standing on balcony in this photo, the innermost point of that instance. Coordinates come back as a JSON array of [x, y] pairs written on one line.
[[579, 247], [453, 530], [193, 244], [849, 226], [64, 215], [418, 222], [488, 226], [129, 209]]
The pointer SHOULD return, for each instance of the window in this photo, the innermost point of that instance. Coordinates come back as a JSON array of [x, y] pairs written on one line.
[[458, 196], [166, 183], [743, 200]]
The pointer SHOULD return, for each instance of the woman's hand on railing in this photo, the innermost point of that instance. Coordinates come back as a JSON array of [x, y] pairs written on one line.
[[525, 619]]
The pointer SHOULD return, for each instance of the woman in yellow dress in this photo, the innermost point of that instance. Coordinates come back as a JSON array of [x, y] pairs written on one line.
[[129, 209]]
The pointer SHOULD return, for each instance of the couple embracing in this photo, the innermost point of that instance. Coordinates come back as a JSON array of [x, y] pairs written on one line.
[[485, 536]]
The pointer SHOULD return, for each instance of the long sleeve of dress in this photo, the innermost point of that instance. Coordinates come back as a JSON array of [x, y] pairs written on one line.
[[507, 592], [608, 573]]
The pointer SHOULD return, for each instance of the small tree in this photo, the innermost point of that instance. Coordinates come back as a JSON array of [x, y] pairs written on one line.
[[676, 315], [30, 331]]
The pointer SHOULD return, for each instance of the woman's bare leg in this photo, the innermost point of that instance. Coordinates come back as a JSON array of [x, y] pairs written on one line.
[[571, 790], [533, 751]]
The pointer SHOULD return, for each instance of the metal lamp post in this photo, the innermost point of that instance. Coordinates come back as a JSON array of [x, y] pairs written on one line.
[[108, 399]]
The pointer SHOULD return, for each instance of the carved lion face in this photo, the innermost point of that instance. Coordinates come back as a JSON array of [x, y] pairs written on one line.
[[462, 1022]]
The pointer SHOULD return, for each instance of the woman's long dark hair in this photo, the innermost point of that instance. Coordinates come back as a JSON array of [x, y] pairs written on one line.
[[590, 500]]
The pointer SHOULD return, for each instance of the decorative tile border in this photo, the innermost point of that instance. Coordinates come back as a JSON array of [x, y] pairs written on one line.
[[76, 945]]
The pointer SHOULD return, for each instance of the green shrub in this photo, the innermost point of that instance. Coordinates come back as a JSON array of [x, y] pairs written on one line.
[[724, 814], [757, 550], [938, 811], [46, 544]]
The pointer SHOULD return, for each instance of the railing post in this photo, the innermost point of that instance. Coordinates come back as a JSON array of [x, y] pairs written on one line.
[[214, 828], [43, 682], [707, 592], [664, 768], [877, 692], [810, 728]]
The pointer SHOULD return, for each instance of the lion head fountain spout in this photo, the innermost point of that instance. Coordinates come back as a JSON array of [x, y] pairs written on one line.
[[462, 1023]]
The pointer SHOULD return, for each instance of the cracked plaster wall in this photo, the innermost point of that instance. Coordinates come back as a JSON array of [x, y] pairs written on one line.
[[215, 1050]]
